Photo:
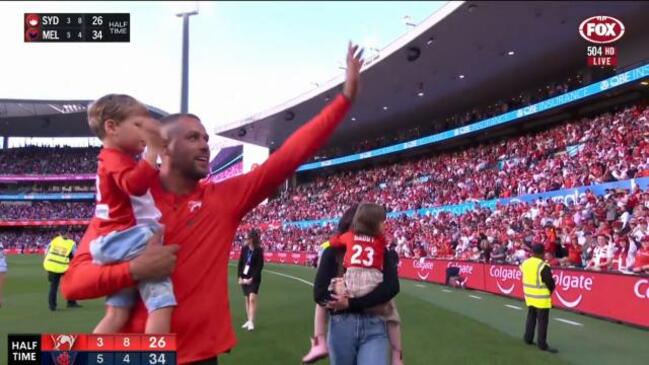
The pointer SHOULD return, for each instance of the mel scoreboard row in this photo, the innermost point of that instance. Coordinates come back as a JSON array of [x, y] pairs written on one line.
[[57, 27], [91, 349]]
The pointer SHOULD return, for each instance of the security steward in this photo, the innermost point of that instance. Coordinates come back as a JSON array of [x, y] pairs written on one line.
[[57, 259], [538, 285]]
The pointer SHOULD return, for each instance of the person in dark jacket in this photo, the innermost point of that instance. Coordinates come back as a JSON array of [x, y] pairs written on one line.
[[346, 346], [251, 263]]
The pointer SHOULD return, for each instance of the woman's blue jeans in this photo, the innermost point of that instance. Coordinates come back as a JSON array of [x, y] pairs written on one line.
[[357, 339]]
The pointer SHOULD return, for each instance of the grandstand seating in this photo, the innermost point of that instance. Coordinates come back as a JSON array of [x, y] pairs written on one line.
[[609, 147], [48, 160]]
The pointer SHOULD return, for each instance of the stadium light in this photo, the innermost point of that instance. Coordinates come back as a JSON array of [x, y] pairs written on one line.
[[184, 87], [461, 76], [510, 53]]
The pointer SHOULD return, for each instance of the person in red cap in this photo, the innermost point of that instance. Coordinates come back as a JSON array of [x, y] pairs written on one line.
[[200, 220]]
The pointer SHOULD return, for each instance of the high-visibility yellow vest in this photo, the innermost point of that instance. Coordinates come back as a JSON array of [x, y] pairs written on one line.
[[57, 257], [536, 292], [325, 245]]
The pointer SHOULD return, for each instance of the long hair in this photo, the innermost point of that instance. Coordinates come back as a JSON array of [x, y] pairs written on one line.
[[368, 219], [345, 221]]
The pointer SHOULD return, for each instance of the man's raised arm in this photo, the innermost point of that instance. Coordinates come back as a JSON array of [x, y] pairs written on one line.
[[248, 190]]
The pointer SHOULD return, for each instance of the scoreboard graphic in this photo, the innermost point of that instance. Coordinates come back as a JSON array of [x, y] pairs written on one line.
[[91, 349], [59, 27]]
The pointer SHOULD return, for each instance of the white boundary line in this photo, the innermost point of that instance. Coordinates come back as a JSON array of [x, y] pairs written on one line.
[[282, 274], [569, 322], [513, 307], [422, 286], [289, 276]]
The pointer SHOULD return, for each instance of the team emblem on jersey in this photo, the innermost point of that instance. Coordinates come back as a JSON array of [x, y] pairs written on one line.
[[194, 205]]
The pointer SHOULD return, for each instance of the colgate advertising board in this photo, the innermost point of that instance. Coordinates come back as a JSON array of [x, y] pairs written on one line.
[[504, 280], [15, 251], [619, 297]]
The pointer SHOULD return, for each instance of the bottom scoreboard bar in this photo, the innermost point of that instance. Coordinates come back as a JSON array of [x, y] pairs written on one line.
[[82, 349]]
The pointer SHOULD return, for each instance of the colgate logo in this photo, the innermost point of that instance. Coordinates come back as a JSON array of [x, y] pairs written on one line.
[[423, 268], [638, 289], [601, 29], [567, 282], [464, 268], [504, 274]]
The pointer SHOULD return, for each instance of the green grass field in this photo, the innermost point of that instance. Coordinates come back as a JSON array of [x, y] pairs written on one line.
[[440, 325]]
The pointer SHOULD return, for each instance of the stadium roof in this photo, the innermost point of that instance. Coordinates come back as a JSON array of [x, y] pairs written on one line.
[[462, 38], [48, 118]]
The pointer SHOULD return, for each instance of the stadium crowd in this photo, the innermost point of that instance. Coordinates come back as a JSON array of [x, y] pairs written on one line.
[[595, 232], [47, 210], [48, 160], [609, 147], [37, 238]]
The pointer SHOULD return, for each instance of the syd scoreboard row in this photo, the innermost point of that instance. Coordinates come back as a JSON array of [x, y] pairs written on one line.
[[59, 27], [91, 349]]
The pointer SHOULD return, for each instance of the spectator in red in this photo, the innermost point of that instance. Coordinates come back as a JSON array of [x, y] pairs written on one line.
[[574, 254]]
